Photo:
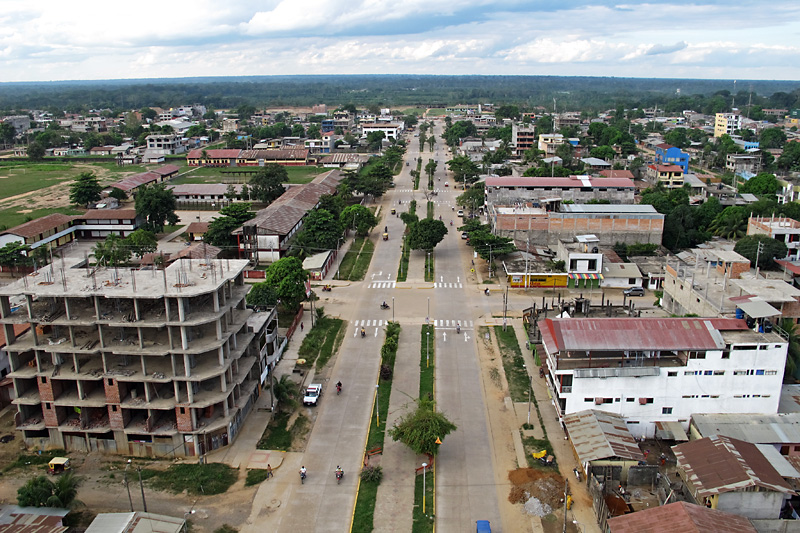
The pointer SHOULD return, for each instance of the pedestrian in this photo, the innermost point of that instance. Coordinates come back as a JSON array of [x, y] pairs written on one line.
[[646, 453], [301, 326], [663, 459], [269, 471]]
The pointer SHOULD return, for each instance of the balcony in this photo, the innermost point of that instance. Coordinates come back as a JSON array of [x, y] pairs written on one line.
[[615, 360]]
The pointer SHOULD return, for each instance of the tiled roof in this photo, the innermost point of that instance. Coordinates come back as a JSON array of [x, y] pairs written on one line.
[[718, 464], [137, 180], [108, 214], [40, 225], [664, 146], [680, 517]]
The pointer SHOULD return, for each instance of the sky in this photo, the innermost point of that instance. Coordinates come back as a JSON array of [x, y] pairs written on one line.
[[43, 40]]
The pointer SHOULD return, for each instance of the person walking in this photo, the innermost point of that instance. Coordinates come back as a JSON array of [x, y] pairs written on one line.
[[301, 326], [269, 471]]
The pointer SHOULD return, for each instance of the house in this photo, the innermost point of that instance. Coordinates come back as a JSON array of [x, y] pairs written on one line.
[[583, 260], [747, 165], [731, 475], [680, 516], [136, 522], [595, 163], [781, 430], [52, 230], [203, 193], [283, 157], [319, 264], [651, 370], [601, 439], [390, 131], [549, 143], [621, 275], [15, 519], [783, 229], [671, 176], [100, 223], [666, 154], [101, 150], [196, 230], [212, 158], [165, 144]]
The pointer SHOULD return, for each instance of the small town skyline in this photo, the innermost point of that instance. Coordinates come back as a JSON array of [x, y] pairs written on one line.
[[48, 40]]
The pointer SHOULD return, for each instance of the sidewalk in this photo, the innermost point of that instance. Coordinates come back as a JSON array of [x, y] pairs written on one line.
[[582, 509]]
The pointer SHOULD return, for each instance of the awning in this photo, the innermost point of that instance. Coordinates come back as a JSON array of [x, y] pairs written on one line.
[[576, 275], [757, 309], [670, 430]]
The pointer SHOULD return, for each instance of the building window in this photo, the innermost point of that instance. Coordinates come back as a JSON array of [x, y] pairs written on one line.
[[44, 379], [113, 408], [760, 372], [629, 399], [672, 374], [110, 382], [666, 410], [588, 399], [183, 410], [48, 406], [708, 372], [770, 372]]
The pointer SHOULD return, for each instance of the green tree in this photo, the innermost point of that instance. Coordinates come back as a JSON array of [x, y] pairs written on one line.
[[459, 130], [266, 185], [157, 205], [430, 169], [220, 229], [118, 193], [425, 234], [333, 203], [15, 254], [422, 430], [603, 152], [731, 223], [763, 184], [141, 242], [41, 492], [789, 159], [566, 152], [464, 169], [472, 198], [7, 133], [772, 138], [489, 246], [298, 131], [375, 140], [262, 295], [36, 151], [286, 392], [358, 217], [148, 114], [793, 355], [287, 277], [321, 231], [544, 124], [507, 111], [112, 251], [85, 189], [373, 180], [770, 249]]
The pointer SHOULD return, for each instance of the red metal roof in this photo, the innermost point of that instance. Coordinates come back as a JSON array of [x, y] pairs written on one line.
[[610, 334], [33, 228], [680, 517], [664, 146], [566, 183], [223, 153]]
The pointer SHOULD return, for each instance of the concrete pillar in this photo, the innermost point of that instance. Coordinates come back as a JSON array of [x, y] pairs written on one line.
[[184, 339], [221, 355], [141, 338], [177, 388], [218, 325], [181, 310], [96, 308], [187, 367], [136, 309], [190, 397], [68, 309], [216, 302]]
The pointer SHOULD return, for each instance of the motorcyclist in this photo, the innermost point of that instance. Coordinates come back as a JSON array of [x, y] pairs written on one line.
[[458, 327], [451, 222], [303, 472], [363, 332], [339, 470], [338, 386]]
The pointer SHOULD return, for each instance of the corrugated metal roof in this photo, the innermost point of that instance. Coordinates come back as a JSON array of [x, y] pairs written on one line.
[[108, 214], [566, 183], [609, 334], [600, 435], [222, 153], [779, 462], [608, 208], [718, 464], [137, 180], [671, 430], [40, 225], [680, 517], [756, 428]]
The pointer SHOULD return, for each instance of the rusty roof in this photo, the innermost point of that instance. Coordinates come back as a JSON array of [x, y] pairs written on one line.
[[35, 227], [166, 170], [137, 180], [680, 517], [197, 227], [220, 153], [571, 182], [108, 214], [601, 435], [718, 464], [274, 155], [610, 334]]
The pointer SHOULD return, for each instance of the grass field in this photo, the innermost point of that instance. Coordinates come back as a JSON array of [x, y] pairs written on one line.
[[19, 178], [11, 216]]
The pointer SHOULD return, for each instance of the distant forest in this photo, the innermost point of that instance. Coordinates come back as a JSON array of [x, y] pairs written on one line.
[[570, 93]]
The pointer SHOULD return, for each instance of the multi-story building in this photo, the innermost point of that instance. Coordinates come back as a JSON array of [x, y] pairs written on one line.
[[743, 164], [549, 143], [523, 137], [783, 229], [165, 144], [391, 131], [158, 362], [671, 176], [651, 370], [21, 123], [727, 124]]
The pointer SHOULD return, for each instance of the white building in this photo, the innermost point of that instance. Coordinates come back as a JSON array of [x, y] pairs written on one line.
[[652, 370], [391, 131]]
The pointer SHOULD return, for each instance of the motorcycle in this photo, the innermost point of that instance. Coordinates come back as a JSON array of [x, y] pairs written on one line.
[[451, 222], [363, 333], [339, 476], [326, 288], [302, 477], [541, 372], [384, 306], [338, 389], [458, 328], [577, 473], [486, 292]]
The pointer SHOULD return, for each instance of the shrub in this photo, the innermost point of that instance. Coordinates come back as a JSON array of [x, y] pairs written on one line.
[[372, 474]]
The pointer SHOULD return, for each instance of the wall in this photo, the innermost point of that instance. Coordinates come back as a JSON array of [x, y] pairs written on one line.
[[752, 504]]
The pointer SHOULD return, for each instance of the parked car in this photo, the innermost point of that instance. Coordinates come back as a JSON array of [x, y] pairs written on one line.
[[312, 394], [464, 235], [461, 212], [634, 291]]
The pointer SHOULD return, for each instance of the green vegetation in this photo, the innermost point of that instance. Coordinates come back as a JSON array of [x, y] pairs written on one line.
[[41, 492], [363, 515], [24, 460], [356, 261], [196, 479], [513, 364], [321, 342], [427, 362], [424, 522], [277, 435], [430, 271], [255, 476], [405, 256], [226, 528], [430, 209]]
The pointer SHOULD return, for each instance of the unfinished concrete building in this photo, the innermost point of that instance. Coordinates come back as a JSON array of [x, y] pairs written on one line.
[[151, 363]]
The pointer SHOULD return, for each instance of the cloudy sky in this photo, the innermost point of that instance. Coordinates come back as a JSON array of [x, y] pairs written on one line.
[[90, 39]]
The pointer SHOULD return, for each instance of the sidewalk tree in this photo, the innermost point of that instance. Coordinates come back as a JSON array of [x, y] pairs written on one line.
[[141, 242], [220, 228], [472, 198], [287, 277], [85, 189], [764, 183], [464, 169], [266, 185], [334, 204], [430, 169], [489, 246], [425, 234], [421, 429], [375, 140], [262, 295], [359, 218], [373, 181], [157, 205]]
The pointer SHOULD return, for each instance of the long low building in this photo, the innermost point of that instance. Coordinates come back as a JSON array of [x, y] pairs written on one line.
[[661, 370], [552, 192], [629, 224]]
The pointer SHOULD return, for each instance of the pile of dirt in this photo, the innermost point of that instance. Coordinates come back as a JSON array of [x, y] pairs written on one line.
[[545, 486]]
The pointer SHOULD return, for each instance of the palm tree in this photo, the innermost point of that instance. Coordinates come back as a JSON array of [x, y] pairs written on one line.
[[285, 391]]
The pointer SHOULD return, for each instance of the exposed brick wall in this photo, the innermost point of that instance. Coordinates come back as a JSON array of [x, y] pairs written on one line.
[[111, 386], [49, 390], [50, 415], [184, 419], [118, 419]]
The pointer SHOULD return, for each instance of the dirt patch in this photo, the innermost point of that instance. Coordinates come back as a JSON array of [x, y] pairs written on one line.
[[547, 487]]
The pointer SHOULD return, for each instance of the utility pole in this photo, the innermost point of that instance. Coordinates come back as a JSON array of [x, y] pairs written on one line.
[[127, 487], [566, 490], [141, 487]]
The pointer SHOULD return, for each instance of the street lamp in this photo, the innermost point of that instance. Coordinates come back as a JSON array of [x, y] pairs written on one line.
[[377, 407], [530, 394], [186, 514], [125, 479], [392, 308], [424, 466], [428, 351]]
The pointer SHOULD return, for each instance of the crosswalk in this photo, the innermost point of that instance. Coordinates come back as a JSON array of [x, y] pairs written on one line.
[[393, 284], [438, 323]]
